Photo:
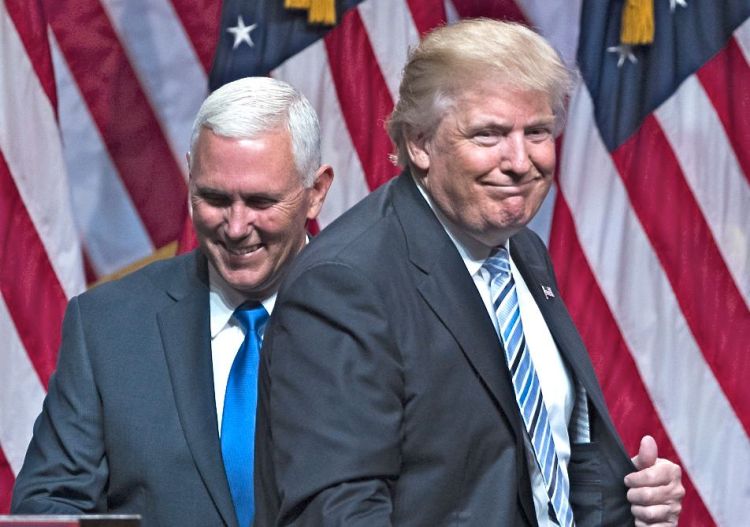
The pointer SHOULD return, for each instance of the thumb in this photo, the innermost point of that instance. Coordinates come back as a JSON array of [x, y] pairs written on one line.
[[647, 453]]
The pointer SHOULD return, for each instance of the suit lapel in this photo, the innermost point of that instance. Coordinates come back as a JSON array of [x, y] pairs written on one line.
[[543, 288], [451, 294], [539, 278], [445, 285], [185, 333]]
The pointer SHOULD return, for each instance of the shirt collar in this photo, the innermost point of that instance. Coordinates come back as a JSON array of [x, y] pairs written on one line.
[[223, 300]]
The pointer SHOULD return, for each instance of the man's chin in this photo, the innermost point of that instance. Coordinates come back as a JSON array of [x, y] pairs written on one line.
[[244, 283]]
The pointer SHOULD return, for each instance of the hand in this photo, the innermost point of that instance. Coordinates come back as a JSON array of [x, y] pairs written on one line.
[[655, 490]]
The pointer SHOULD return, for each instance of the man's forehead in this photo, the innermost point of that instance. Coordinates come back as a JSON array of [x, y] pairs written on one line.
[[220, 135], [243, 187], [243, 165], [489, 102]]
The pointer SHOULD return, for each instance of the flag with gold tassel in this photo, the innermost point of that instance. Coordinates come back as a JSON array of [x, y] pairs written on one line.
[[318, 11]]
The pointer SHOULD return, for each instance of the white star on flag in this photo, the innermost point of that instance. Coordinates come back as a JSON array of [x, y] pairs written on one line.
[[674, 3], [624, 52], [241, 33]]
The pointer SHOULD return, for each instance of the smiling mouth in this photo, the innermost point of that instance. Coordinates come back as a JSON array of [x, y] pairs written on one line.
[[515, 185], [243, 251]]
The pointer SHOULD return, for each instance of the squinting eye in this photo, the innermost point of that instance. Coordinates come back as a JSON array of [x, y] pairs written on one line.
[[486, 137], [216, 200], [538, 134], [260, 203]]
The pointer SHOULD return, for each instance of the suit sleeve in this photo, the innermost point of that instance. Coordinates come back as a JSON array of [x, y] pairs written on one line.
[[65, 470], [330, 403]]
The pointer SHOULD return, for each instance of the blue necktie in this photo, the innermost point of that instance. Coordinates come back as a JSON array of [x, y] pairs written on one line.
[[526, 385], [238, 418]]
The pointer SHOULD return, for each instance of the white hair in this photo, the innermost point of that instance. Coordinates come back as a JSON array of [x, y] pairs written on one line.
[[253, 106]]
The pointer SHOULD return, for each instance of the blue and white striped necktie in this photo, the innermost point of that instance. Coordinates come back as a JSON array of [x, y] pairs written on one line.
[[526, 384]]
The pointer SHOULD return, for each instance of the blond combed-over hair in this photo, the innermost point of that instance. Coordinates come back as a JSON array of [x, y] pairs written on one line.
[[452, 59]]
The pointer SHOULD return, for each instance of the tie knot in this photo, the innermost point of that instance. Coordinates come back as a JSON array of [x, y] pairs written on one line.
[[252, 316], [498, 264]]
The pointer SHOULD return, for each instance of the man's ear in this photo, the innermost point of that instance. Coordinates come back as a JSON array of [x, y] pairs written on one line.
[[318, 190], [419, 152]]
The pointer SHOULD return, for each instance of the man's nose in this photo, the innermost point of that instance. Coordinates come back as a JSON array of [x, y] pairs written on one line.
[[514, 159], [239, 220]]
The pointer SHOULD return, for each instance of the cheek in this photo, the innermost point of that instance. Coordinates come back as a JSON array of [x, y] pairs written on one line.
[[468, 164], [206, 218], [200, 218], [275, 224], [453, 178], [536, 199], [544, 158]]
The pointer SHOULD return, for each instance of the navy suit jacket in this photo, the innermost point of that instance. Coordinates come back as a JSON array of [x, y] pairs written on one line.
[[129, 423], [384, 397]]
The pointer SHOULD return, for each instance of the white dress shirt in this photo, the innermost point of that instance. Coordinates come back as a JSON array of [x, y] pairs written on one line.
[[558, 389], [226, 333]]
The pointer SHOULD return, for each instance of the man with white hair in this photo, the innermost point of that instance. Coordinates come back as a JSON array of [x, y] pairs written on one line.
[[151, 409], [421, 368]]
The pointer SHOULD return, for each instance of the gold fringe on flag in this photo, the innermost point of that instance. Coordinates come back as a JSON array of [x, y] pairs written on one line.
[[637, 23], [297, 4], [167, 251], [318, 11]]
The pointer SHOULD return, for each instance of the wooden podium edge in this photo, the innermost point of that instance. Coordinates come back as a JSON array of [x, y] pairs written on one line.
[[59, 520]]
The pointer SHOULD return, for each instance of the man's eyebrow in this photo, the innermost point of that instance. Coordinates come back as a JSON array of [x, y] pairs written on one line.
[[208, 190], [487, 121], [252, 196], [545, 120]]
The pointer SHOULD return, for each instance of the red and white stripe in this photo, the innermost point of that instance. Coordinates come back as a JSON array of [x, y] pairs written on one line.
[[639, 295], [651, 244], [40, 262], [131, 77]]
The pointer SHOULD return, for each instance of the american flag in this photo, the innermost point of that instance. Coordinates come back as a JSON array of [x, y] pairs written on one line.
[[648, 225]]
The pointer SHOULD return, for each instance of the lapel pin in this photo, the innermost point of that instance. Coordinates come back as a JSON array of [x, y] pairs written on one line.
[[547, 290]]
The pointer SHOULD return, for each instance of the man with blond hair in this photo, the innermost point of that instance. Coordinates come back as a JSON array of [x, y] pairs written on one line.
[[421, 368]]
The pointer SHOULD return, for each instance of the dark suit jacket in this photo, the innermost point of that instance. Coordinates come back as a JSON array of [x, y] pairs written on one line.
[[129, 423], [384, 395]]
